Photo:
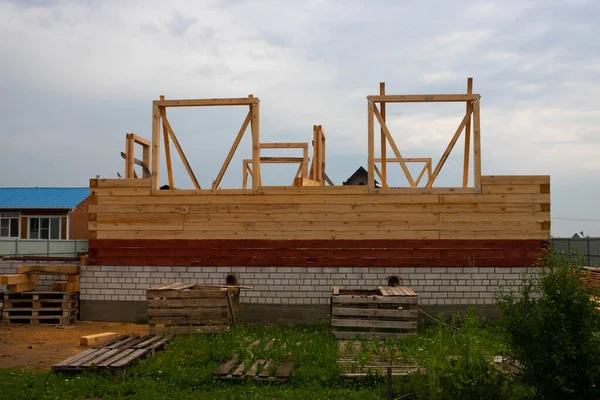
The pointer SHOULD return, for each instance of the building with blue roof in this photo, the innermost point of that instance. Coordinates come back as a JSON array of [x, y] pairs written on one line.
[[43, 213]]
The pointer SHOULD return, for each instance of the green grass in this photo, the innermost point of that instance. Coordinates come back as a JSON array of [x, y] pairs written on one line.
[[185, 369]]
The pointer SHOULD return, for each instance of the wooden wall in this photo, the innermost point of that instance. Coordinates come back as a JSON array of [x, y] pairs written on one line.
[[505, 224]]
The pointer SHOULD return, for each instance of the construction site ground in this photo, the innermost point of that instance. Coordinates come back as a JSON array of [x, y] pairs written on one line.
[[41, 346]]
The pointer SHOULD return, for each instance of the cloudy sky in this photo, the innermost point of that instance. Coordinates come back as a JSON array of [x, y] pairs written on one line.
[[78, 75]]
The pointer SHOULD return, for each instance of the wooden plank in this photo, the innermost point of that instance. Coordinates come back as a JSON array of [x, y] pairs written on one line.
[[371, 145], [118, 356], [131, 358], [179, 149], [301, 181], [230, 308], [123, 183], [89, 359], [73, 359], [383, 160], [186, 303], [255, 129], [167, 149], [287, 145], [226, 367], [351, 312], [511, 189], [49, 269], [140, 140], [467, 152], [15, 279], [354, 299], [394, 147], [197, 320], [266, 370], [111, 342], [109, 353], [148, 342], [155, 148], [208, 293], [59, 286], [232, 150], [476, 144], [370, 335], [285, 367], [129, 155], [96, 339], [515, 179], [252, 371], [239, 371], [242, 101], [420, 98], [448, 150], [21, 287]]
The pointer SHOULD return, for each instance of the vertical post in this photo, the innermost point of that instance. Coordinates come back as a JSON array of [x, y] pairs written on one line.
[[129, 151], [16, 246], [476, 144], [588, 252], [320, 153], [371, 145], [468, 135], [155, 148], [383, 140], [323, 153], [315, 168], [167, 149], [255, 108], [304, 168]]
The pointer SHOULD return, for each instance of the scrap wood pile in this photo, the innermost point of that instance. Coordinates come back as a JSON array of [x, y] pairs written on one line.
[[22, 304], [113, 356], [267, 370], [192, 308]]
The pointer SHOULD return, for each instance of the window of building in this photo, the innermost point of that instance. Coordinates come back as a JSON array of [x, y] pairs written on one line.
[[9, 224], [44, 227]]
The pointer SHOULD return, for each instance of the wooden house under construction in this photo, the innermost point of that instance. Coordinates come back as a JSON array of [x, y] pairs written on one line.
[[454, 246]]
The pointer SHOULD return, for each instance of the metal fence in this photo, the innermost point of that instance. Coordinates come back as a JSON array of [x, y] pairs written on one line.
[[49, 248], [589, 248]]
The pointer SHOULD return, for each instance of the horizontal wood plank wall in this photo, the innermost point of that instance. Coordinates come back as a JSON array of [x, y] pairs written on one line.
[[506, 224]]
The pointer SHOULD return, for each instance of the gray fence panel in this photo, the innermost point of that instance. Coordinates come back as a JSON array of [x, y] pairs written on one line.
[[589, 248]]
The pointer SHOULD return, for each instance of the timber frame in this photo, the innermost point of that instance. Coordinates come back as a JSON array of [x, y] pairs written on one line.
[[130, 140], [159, 117], [471, 118]]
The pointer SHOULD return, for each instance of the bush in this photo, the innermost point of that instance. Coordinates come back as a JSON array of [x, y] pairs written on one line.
[[553, 329]]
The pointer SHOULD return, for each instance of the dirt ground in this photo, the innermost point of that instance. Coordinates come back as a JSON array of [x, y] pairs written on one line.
[[41, 346]]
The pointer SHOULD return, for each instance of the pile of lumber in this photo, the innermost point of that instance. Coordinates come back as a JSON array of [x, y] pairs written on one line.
[[28, 275]]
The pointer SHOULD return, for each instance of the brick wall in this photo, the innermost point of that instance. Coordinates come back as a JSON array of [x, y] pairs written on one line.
[[288, 285], [78, 221]]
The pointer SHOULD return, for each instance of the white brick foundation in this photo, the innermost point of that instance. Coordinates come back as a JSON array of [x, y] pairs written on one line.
[[305, 285]]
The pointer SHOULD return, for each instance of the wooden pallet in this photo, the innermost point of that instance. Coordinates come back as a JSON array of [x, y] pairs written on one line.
[[364, 314], [375, 364], [259, 370], [40, 307], [113, 356], [183, 308]]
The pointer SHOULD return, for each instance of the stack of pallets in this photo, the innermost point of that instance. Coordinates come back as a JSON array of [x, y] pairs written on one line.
[[24, 305], [364, 314], [189, 308], [59, 308]]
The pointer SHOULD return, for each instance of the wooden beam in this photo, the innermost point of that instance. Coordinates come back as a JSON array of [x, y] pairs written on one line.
[[139, 162], [394, 147], [321, 155], [422, 173], [406, 159], [155, 148], [440, 164], [277, 160], [140, 140], [244, 101], [15, 279], [179, 149], [167, 149], [296, 145], [304, 166], [232, 150], [377, 171], [371, 145], [468, 135], [146, 161], [305, 182], [420, 98], [383, 174], [329, 182], [129, 151], [476, 144], [49, 269], [246, 169], [255, 111]]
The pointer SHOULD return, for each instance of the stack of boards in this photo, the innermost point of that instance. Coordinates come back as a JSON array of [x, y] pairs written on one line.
[[22, 304]]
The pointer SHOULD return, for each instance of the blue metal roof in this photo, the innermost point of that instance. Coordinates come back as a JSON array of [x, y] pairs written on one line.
[[42, 197]]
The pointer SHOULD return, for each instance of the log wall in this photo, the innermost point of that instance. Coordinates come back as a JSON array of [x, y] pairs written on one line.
[[506, 223]]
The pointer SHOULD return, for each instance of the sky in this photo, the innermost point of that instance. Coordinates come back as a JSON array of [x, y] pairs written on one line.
[[78, 75]]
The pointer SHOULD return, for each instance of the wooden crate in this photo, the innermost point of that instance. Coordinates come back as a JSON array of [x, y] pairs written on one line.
[[181, 308], [383, 312], [40, 307]]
